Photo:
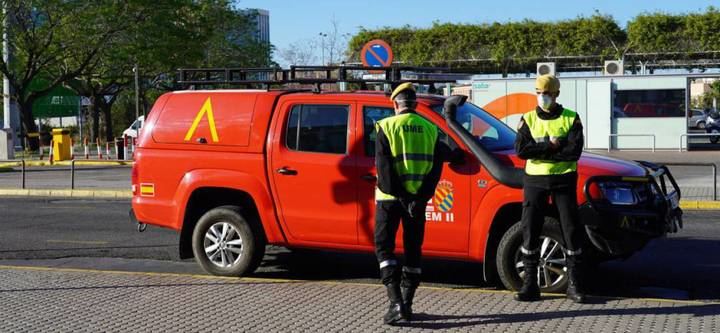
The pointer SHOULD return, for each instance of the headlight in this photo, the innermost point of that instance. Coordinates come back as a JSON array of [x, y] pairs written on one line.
[[619, 193]]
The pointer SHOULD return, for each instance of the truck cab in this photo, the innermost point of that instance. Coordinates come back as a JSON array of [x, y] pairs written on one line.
[[235, 170]]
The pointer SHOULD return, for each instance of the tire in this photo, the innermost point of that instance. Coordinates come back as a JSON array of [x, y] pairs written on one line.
[[714, 139], [242, 249], [701, 125], [552, 258]]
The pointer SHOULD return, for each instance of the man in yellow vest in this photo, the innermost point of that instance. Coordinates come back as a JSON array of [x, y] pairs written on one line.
[[550, 138], [409, 161]]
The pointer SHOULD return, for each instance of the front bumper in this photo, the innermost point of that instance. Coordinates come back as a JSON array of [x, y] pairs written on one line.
[[623, 229]]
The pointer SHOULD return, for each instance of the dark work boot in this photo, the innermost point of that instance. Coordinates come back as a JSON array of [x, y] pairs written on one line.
[[408, 293], [530, 291], [394, 314], [574, 291]]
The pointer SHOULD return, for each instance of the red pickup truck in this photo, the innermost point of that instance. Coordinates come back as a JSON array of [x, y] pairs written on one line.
[[235, 170]]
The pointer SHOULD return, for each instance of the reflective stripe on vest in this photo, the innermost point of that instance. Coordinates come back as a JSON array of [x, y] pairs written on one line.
[[412, 145], [542, 131]]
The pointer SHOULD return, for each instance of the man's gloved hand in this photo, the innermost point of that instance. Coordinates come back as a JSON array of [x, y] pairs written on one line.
[[412, 206]]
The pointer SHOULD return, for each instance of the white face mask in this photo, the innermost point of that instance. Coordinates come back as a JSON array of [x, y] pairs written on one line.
[[544, 101]]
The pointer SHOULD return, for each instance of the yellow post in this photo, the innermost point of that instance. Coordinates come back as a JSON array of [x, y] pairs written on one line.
[[61, 144]]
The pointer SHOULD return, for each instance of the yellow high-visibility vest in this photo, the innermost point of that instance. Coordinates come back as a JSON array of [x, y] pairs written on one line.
[[542, 130], [412, 146]]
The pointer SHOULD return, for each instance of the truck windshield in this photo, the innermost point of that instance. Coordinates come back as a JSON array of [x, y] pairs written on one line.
[[488, 131]]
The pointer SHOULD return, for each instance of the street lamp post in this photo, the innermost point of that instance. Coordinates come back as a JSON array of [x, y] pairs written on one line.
[[322, 46]]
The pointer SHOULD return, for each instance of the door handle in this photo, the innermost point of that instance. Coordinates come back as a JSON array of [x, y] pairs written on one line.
[[369, 177], [286, 171]]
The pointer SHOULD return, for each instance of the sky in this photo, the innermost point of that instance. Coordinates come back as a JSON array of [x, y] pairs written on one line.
[[300, 21]]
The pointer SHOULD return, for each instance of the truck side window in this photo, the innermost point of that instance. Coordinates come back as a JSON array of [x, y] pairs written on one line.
[[318, 128], [371, 115]]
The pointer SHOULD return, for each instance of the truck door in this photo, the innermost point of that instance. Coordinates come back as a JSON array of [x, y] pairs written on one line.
[[313, 173], [447, 214]]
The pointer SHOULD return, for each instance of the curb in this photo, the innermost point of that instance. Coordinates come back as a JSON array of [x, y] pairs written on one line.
[[699, 205], [64, 163], [66, 193]]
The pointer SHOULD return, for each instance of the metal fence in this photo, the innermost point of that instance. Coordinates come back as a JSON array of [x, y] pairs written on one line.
[[23, 164], [610, 136]]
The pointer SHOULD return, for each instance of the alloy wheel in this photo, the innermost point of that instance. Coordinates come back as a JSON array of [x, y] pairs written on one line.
[[552, 268], [223, 245]]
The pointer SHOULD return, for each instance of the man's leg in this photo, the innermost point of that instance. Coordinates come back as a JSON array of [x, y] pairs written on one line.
[[413, 236], [535, 200], [565, 199], [387, 220]]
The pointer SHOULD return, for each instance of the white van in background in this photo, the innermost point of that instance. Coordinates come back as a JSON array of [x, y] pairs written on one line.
[[132, 131]]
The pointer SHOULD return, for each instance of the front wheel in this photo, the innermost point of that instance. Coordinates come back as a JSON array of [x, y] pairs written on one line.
[[224, 243], [714, 138], [552, 268]]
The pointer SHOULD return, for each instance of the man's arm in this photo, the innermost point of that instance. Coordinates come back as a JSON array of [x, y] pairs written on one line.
[[442, 154], [388, 180], [527, 148], [571, 148]]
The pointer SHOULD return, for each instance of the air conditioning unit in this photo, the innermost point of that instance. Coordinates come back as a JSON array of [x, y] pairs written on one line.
[[545, 68], [613, 67]]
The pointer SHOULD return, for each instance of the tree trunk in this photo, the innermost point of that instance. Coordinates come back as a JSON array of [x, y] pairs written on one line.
[[28, 125], [95, 122], [107, 115]]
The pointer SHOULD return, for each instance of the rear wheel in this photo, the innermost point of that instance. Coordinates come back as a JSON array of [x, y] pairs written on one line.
[[224, 243], [552, 268], [701, 124]]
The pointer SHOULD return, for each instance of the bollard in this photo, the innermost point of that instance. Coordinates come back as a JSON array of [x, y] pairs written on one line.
[[107, 150], [99, 152], [50, 154], [87, 149], [42, 152], [72, 149], [132, 156], [126, 145]]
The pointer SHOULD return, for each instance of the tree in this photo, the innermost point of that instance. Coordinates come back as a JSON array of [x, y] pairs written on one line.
[[57, 40], [299, 53]]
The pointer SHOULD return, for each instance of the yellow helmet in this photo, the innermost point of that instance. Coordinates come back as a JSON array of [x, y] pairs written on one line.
[[400, 88], [547, 82]]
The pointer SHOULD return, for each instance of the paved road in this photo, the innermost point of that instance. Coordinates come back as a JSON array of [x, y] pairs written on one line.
[[98, 235]]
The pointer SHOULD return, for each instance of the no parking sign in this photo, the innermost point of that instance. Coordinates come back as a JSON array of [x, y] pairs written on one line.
[[376, 53]]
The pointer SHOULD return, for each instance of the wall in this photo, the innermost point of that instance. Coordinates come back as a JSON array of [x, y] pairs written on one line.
[[591, 98]]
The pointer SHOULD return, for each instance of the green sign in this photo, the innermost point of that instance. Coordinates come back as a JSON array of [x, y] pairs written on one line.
[[59, 102]]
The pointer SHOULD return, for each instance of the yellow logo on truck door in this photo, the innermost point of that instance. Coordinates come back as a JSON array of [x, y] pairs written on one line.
[[206, 109]]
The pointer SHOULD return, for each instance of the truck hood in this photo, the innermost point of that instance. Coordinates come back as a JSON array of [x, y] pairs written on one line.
[[589, 165]]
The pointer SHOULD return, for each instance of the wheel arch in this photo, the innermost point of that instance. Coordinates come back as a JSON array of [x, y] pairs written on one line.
[[204, 199], [506, 217]]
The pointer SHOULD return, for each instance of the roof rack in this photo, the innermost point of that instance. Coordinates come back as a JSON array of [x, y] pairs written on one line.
[[320, 75]]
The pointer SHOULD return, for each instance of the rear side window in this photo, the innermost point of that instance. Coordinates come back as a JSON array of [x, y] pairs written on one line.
[[318, 128]]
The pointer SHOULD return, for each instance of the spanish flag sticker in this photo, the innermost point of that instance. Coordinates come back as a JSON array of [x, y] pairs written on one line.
[[147, 190]]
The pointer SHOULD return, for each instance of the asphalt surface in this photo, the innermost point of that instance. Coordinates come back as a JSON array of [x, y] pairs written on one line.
[[98, 235]]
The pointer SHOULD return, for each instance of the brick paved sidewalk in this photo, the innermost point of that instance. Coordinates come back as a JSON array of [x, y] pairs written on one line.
[[51, 300]]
